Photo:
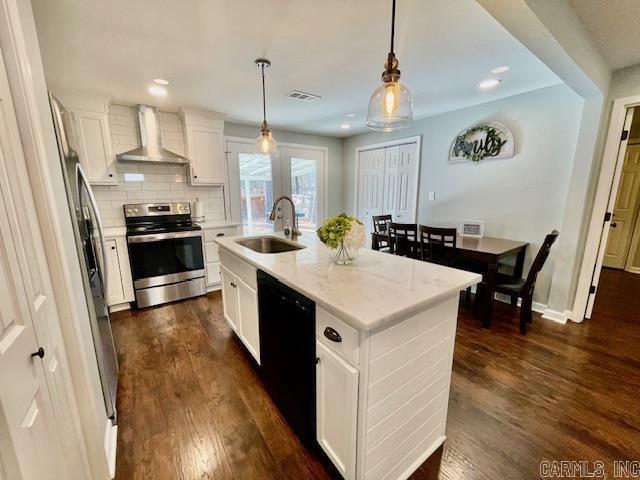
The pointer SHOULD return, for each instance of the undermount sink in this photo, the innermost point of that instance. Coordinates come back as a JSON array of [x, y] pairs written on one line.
[[268, 245]]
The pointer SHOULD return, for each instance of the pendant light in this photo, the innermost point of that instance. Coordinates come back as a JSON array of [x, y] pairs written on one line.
[[391, 106], [265, 143]]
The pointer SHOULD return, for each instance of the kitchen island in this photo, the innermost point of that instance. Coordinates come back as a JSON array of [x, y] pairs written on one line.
[[384, 336]]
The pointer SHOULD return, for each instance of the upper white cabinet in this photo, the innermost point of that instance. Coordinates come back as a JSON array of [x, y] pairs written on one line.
[[204, 143], [90, 114]]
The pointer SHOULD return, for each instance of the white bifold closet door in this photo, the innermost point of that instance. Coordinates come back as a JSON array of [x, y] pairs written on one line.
[[388, 183]]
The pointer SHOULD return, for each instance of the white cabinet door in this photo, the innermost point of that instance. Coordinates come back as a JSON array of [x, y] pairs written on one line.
[[337, 409], [94, 145], [115, 288], [205, 150], [407, 183], [213, 273], [229, 298], [248, 318]]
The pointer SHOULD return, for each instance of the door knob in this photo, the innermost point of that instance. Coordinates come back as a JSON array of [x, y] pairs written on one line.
[[39, 353], [613, 225]]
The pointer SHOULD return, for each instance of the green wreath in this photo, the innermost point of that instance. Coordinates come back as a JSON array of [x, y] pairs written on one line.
[[478, 150]]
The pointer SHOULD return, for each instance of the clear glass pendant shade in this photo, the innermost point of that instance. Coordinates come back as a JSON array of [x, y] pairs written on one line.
[[390, 107], [266, 145]]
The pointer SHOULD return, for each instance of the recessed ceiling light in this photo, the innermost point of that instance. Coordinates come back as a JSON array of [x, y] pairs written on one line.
[[487, 84], [502, 69], [351, 115], [161, 81], [345, 126], [157, 90]]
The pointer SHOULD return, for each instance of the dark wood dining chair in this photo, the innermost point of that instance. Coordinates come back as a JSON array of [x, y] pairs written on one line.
[[438, 245], [381, 225], [404, 239], [524, 287]]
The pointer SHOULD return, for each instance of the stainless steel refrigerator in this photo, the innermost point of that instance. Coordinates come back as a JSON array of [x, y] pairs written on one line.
[[91, 253]]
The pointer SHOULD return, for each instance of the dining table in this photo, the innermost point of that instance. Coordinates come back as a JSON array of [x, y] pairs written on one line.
[[490, 252]]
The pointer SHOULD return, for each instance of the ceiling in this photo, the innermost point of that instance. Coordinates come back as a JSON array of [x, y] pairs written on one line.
[[614, 27], [332, 48]]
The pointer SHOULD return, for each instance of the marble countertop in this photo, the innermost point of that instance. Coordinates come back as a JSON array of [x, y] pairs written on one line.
[[377, 289]]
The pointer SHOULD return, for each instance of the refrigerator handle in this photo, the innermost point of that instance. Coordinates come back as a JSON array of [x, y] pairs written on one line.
[[82, 179]]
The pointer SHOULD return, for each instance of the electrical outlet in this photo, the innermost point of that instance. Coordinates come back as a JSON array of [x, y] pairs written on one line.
[[432, 195]]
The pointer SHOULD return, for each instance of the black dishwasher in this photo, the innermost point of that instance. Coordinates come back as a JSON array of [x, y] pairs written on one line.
[[287, 353]]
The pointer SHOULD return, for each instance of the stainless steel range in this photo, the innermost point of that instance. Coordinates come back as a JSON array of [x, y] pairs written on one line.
[[165, 252]]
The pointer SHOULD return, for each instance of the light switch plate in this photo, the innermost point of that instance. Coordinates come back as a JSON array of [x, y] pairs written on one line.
[[432, 195]]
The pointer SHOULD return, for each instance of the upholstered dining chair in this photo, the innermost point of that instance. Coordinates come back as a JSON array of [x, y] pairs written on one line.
[[381, 225], [523, 287], [404, 239]]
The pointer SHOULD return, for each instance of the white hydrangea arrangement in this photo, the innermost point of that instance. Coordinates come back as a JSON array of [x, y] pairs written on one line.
[[344, 233]]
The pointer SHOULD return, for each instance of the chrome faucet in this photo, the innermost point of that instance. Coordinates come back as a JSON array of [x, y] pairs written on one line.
[[296, 231]]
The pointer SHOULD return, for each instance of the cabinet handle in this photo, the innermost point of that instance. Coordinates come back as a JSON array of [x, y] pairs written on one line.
[[111, 174], [39, 353], [233, 284], [332, 335], [195, 176], [317, 360], [113, 248], [219, 234]]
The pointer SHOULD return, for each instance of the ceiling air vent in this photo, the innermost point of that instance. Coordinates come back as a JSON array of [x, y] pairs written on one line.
[[302, 96]]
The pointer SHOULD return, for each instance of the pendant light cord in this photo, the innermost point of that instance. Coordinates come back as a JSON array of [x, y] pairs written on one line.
[[264, 102], [393, 22]]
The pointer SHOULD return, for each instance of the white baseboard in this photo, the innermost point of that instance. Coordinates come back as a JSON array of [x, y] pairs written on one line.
[[110, 447], [119, 307], [538, 307]]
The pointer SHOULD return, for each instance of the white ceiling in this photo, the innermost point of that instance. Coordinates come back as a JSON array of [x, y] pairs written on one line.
[[333, 48], [614, 26]]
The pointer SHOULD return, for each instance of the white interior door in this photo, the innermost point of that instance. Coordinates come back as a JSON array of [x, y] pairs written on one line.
[[390, 182], [256, 181], [371, 168], [37, 398], [407, 183]]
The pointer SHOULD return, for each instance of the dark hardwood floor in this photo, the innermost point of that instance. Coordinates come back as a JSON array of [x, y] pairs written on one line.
[[192, 407]]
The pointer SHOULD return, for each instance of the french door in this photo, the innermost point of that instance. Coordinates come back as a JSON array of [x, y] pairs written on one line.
[[256, 181]]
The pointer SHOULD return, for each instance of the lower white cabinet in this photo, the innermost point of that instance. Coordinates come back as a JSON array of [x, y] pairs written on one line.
[[211, 256], [119, 282], [229, 298], [337, 409], [240, 304]]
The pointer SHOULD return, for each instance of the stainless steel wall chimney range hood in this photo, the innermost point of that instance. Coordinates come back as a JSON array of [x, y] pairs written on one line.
[[151, 149]]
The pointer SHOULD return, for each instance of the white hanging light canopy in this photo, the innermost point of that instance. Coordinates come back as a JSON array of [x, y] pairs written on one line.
[[265, 143], [391, 105]]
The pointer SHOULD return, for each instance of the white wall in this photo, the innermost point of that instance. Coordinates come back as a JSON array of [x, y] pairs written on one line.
[[161, 183], [521, 198]]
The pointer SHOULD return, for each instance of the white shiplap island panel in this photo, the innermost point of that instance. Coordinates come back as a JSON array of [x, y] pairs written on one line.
[[382, 391]]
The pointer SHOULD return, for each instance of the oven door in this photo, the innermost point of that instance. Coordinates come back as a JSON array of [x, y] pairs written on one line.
[[161, 259]]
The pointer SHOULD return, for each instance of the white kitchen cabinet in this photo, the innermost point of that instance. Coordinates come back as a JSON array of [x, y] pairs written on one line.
[[248, 316], [211, 257], [119, 282], [94, 146], [240, 301], [204, 136], [229, 298], [337, 409]]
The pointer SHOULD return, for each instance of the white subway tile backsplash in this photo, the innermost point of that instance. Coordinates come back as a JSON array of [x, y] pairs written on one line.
[[160, 183]]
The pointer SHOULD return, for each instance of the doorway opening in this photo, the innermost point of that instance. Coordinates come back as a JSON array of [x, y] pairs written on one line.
[[619, 279]]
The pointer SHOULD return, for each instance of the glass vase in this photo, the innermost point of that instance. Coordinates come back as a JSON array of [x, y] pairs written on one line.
[[344, 255]]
